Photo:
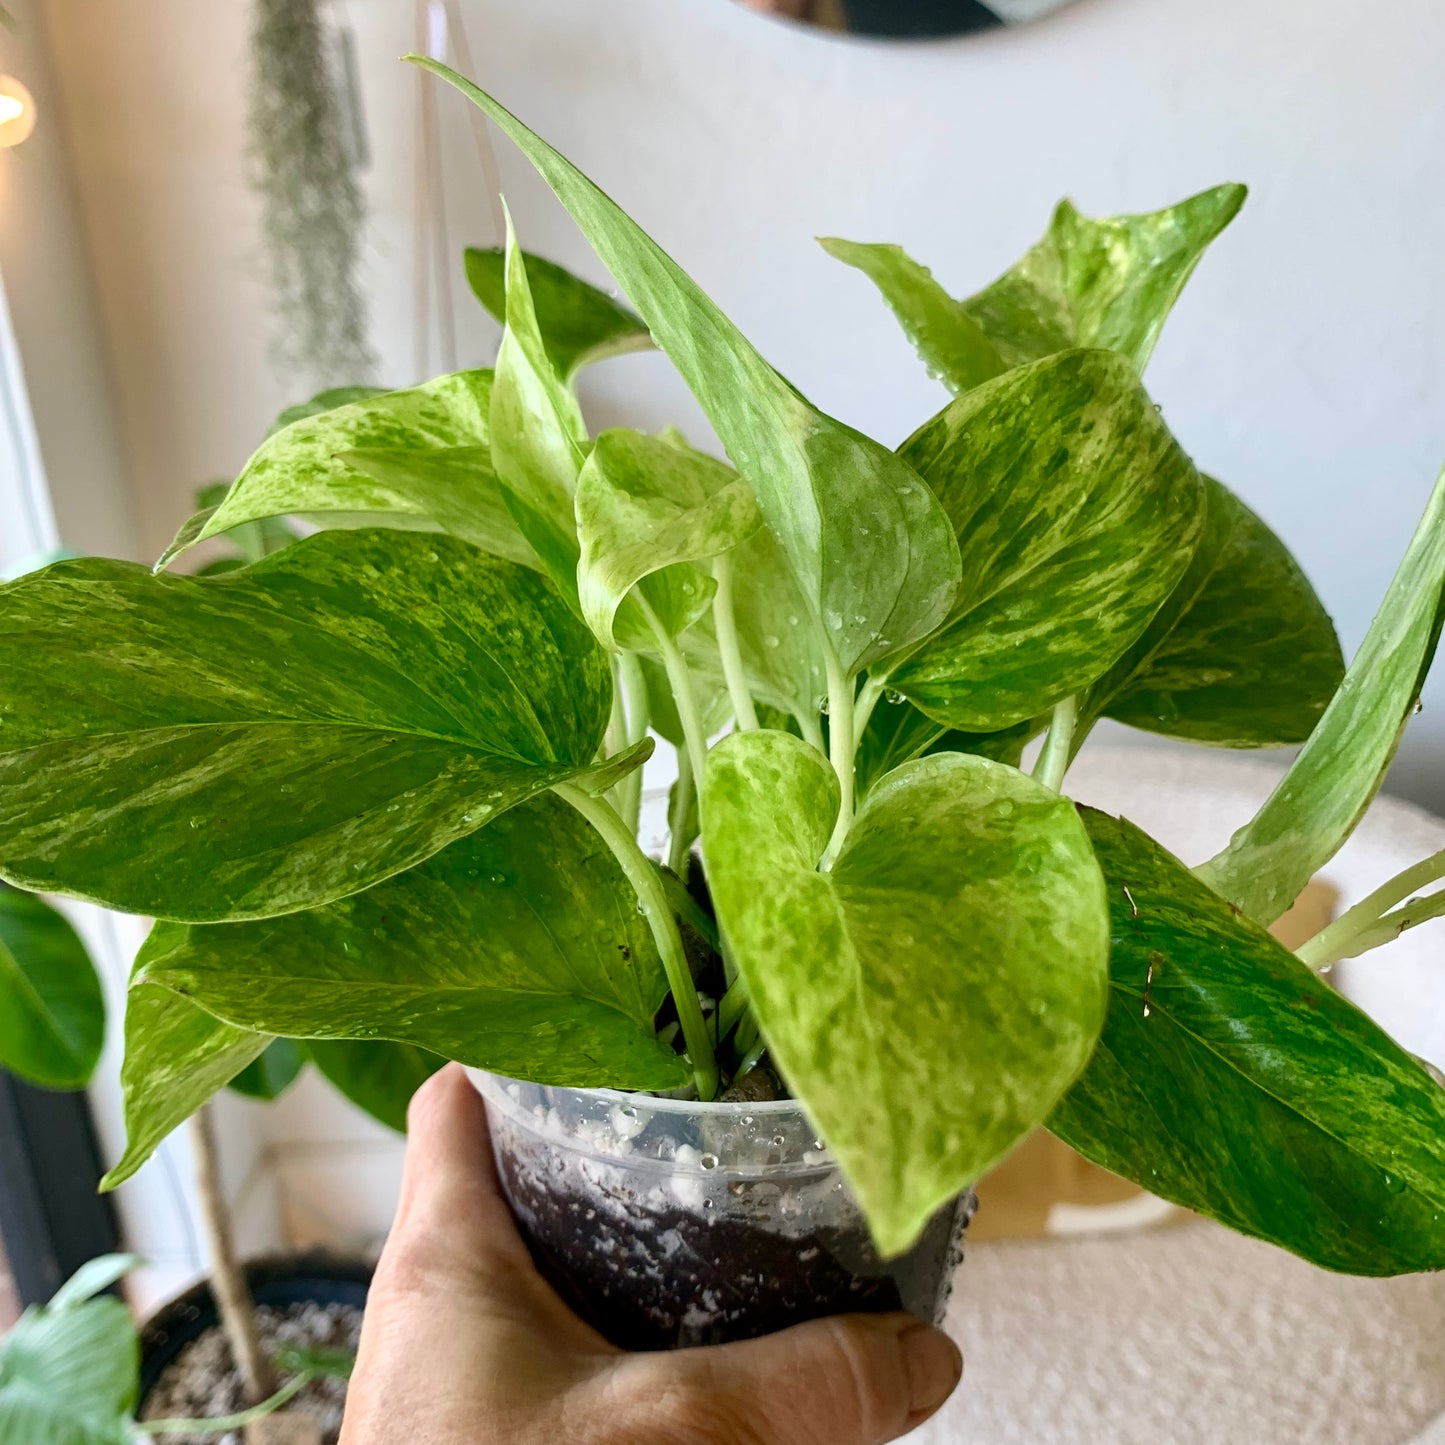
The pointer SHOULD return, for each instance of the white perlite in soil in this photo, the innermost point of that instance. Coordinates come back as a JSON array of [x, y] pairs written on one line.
[[202, 1383]]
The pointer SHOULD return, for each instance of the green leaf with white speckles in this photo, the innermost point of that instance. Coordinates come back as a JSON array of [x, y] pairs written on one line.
[[578, 323], [282, 735], [871, 549], [1077, 514], [268, 1076], [176, 1057], [932, 996], [1242, 655], [303, 468], [898, 733], [1109, 281], [646, 509], [1230, 1079], [1340, 769], [519, 949], [954, 347]]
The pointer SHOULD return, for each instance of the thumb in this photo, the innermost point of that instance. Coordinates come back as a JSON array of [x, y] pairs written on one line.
[[849, 1380]]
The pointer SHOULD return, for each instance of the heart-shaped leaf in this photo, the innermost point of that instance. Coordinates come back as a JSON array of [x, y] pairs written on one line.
[[1242, 655], [897, 733], [282, 735], [1108, 282], [300, 469], [377, 1075], [645, 505], [1232, 1080], [579, 324], [176, 1057], [519, 949], [52, 1010], [872, 550], [1340, 769], [931, 997], [1077, 514]]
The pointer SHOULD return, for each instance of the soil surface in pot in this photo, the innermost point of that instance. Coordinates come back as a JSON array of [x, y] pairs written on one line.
[[652, 1277], [202, 1382]]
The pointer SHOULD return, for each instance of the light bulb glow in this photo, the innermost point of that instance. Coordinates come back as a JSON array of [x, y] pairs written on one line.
[[17, 112]]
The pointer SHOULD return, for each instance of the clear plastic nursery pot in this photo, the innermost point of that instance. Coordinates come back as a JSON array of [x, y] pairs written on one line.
[[666, 1223]]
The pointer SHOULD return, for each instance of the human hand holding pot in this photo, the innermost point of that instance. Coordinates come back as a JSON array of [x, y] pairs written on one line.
[[465, 1344]]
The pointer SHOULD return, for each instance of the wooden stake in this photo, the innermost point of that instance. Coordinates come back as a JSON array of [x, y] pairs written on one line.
[[228, 1280]]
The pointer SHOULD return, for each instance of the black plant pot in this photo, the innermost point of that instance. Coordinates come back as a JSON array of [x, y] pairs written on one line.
[[278, 1281], [666, 1224]]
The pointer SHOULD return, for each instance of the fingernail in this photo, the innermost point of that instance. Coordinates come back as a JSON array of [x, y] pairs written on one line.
[[934, 1366]]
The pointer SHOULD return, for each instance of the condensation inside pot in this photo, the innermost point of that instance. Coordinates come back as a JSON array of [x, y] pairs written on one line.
[[684, 1225]]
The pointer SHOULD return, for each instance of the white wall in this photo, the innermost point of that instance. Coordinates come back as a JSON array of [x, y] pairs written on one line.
[[1306, 365]]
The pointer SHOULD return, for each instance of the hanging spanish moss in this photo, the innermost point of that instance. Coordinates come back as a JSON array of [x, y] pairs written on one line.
[[306, 170]]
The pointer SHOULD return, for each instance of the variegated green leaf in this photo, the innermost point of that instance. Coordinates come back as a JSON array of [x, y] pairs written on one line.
[[176, 1057], [953, 346], [868, 543], [1339, 770], [1242, 654], [282, 735], [645, 505], [327, 400], [898, 733], [1077, 514], [931, 997], [579, 324], [537, 431], [52, 1011], [300, 469], [519, 949], [1233, 1081], [1108, 282]]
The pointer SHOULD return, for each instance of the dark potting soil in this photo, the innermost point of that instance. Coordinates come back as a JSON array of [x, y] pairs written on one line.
[[665, 1277], [202, 1381]]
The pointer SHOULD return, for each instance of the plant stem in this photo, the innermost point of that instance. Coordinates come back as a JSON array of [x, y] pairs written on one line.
[[681, 681], [634, 687], [750, 1059], [679, 845], [220, 1424], [1053, 761], [868, 696], [733, 1005], [1371, 919], [812, 731], [652, 897], [841, 747], [228, 1280], [725, 625]]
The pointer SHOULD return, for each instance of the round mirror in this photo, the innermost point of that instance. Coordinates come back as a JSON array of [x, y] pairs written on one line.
[[907, 19]]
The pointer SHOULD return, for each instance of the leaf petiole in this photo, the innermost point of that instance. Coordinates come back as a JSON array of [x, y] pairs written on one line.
[[842, 745], [680, 680], [1053, 761], [634, 689], [646, 882], [1371, 922], [727, 643]]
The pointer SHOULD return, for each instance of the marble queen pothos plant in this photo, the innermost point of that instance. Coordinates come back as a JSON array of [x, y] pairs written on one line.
[[384, 783]]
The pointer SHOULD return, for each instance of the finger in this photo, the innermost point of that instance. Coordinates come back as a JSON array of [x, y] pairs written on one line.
[[450, 1193], [851, 1380]]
